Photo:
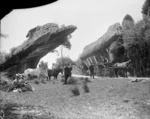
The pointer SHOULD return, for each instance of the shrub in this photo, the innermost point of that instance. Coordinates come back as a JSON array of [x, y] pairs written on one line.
[[12, 50], [85, 87], [43, 81], [72, 80], [36, 82], [2, 57], [75, 91], [4, 82], [63, 79], [87, 80]]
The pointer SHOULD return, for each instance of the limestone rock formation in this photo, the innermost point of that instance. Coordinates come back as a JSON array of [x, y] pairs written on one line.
[[100, 46], [128, 29], [41, 40], [127, 23]]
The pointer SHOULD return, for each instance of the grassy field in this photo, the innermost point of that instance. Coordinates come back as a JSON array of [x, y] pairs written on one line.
[[108, 98]]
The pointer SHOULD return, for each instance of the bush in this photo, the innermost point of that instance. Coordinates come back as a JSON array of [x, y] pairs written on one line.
[[43, 81], [12, 50], [85, 87], [36, 82], [75, 91], [87, 80], [72, 80], [2, 57]]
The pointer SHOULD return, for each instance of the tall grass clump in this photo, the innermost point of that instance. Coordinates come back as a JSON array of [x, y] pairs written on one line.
[[72, 80], [85, 87], [75, 91], [36, 82], [87, 80], [43, 81]]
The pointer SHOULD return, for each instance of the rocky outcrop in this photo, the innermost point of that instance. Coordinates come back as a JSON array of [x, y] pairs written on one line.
[[128, 29], [111, 41], [41, 40], [127, 23], [100, 46]]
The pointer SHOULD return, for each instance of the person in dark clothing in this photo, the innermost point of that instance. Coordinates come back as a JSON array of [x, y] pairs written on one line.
[[66, 73], [70, 69], [91, 70]]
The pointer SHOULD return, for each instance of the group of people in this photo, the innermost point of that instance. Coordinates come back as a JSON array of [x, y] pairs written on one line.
[[68, 68], [20, 85], [123, 66], [66, 71]]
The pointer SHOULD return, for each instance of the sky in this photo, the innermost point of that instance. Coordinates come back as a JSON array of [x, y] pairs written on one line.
[[92, 18]]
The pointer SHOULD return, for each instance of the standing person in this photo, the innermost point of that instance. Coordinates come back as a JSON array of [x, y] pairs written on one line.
[[91, 70], [70, 69], [54, 70], [66, 72]]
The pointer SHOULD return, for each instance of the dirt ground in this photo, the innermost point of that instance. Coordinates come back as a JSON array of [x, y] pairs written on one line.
[[109, 98]]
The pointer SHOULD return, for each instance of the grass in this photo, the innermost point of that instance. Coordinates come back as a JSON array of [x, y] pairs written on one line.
[[9, 110], [105, 100]]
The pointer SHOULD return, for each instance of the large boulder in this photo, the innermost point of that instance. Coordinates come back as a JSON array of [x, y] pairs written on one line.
[[128, 29], [41, 40], [100, 46]]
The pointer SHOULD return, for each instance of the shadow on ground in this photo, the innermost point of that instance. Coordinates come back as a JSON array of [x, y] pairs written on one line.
[[18, 111]]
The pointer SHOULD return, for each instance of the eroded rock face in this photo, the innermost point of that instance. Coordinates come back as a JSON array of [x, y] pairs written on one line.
[[100, 46], [127, 23], [38, 31], [128, 29], [41, 40]]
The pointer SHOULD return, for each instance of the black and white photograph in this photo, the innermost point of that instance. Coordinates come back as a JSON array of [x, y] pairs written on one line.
[[75, 59]]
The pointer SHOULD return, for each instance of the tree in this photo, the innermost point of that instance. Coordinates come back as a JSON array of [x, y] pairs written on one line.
[[118, 50], [2, 57], [63, 60], [138, 48], [145, 7], [43, 65], [135, 45]]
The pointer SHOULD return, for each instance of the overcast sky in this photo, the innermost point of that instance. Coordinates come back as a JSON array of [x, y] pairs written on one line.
[[92, 18]]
